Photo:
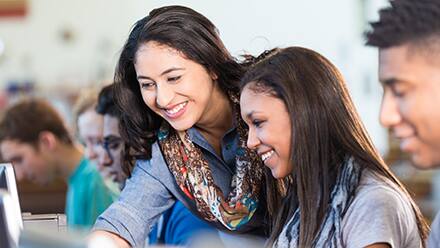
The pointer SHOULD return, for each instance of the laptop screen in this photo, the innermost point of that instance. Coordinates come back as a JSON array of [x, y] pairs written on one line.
[[9, 226], [10, 213]]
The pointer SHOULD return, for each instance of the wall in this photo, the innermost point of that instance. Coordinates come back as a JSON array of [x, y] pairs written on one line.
[[38, 46]]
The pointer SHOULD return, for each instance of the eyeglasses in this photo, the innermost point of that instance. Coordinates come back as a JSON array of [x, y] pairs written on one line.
[[91, 142], [111, 143]]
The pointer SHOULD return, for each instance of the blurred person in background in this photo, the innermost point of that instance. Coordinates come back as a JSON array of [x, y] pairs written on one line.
[[112, 148], [34, 138], [89, 124], [408, 37], [89, 128]]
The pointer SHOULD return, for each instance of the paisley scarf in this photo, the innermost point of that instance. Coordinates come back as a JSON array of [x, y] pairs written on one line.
[[194, 177]]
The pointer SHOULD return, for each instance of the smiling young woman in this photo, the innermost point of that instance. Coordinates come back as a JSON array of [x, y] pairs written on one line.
[[177, 87], [327, 185]]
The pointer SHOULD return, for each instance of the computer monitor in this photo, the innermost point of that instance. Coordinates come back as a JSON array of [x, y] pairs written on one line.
[[8, 183], [9, 226], [12, 234]]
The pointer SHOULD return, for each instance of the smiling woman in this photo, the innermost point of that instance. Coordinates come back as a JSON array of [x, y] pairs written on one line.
[[178, 88], [330, 187], [269, 132]]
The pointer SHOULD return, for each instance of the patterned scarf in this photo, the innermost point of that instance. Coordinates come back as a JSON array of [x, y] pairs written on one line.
[[194, 177], [330, 234]]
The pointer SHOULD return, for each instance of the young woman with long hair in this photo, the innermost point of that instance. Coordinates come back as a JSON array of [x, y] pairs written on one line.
[[177, 87], [327, 185]]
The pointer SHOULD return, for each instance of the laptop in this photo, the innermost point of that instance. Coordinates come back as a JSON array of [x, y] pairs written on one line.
[[11, 223], [39, 231]]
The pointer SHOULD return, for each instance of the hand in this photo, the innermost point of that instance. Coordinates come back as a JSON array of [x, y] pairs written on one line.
[[106, 239]]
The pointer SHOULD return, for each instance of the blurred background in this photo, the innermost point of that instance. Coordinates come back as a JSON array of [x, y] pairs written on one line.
[[56, 48]]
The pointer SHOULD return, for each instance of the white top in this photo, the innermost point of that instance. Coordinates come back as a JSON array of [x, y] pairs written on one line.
[[379, 213]]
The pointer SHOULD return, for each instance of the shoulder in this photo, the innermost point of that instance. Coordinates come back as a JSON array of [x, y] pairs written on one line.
[[380, 212], [89, 173], [156, 161], [380, 192], [92, 180], [434, 236], [153, 169], [378, 195]]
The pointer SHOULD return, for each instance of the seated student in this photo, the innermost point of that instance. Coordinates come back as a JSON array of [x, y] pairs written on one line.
[[327, 185], [88, 123], [111, 153], [34, 138], [177, 225]]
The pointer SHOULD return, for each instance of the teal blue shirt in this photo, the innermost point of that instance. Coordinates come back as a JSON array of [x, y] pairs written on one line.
[[87, 195]]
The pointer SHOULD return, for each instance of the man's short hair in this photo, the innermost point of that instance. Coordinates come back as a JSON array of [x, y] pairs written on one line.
[[415, 22], [25, 121], [106, 103]]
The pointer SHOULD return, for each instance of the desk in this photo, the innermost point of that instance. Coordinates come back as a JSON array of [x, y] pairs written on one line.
[[50, 222]]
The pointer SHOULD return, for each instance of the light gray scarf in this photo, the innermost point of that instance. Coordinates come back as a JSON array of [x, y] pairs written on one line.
[[330, 234]]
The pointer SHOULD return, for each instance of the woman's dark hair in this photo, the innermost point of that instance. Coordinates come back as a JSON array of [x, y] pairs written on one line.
[[106, 102], [188, 32], [326, 130]]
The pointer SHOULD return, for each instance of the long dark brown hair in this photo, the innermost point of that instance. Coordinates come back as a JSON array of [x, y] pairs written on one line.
[[326, 130], [185, 30]]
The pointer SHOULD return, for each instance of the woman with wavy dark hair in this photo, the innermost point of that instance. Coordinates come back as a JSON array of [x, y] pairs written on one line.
[[177, 87], [327, 185]]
